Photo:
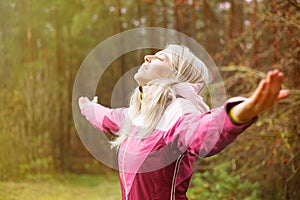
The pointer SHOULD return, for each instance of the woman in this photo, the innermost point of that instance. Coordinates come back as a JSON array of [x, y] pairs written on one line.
[[168, 125]]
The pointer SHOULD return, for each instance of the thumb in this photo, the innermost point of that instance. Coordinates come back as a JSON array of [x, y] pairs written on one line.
[[95, 99], [283, 94]]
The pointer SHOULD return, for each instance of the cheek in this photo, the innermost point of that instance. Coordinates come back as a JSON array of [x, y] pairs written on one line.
[[163, 73]]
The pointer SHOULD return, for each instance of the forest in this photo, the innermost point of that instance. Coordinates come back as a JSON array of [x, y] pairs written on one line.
[[44, 42]]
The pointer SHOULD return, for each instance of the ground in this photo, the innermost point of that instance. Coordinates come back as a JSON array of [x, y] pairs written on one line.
[[69, 187]]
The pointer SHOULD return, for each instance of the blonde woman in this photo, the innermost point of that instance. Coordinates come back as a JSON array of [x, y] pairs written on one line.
[[168, 125]]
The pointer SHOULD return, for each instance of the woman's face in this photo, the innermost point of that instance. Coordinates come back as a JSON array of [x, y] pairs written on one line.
[[157, 66]]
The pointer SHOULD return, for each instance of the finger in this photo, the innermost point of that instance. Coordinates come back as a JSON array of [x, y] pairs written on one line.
[[264, 96], [281, 77], [273, 76], [259, 92], [276, 82], [269, 75], [80, 99], [274, 86], [269, 82], [80, 102], [83, 100], [283, 94]]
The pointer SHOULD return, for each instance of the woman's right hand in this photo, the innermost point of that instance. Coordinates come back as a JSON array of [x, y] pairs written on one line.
[[82, 101]]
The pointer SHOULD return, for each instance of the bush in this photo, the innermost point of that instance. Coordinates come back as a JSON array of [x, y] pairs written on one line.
[[219, 184]]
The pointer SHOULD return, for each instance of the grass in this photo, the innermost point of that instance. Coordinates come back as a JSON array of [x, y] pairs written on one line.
[[71, 187]]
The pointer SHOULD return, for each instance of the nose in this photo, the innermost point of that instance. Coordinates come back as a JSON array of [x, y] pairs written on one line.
[[148, 58]]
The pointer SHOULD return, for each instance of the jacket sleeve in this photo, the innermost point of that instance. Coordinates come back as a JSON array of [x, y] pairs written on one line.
[[103, 118], [211, 132]]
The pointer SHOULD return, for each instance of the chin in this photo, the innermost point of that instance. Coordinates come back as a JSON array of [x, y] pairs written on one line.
[[137, 79]]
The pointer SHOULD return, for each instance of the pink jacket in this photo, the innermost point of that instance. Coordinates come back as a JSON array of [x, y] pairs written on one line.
[[160, 165]]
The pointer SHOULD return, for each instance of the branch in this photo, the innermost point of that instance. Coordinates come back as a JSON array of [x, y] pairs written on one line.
[[294, 4]]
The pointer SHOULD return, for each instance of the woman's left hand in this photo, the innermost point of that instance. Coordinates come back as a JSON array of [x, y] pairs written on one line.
[[265, 96]]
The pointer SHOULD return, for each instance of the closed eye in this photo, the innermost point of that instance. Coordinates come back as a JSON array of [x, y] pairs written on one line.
[[160, 57]]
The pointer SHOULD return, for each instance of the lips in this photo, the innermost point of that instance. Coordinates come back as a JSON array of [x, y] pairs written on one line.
[[143, 67]]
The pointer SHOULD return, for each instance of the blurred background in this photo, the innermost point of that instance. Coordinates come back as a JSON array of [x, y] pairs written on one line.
[[44, 42]]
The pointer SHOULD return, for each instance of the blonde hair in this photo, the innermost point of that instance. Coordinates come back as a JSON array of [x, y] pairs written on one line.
[[187, 68]]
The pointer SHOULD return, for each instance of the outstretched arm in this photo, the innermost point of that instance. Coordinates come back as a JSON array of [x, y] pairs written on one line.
[[243, 114], [267, 93], [103, 118]]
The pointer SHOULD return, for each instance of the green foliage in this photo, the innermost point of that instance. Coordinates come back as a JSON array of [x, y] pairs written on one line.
[[217, 183], [28, 125]]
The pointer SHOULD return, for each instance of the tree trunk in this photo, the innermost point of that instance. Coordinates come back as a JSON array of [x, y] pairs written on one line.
[[275, 41], [68, 99], [236, 21], [61, 135], [165, 15], [120, 69], [176, 15], [30, 41], [253, 61], [3, 52], [210, 29], [194, 21]]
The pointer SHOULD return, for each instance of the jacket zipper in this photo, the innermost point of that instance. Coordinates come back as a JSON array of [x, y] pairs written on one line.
[[177, 165], [123, 168]]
